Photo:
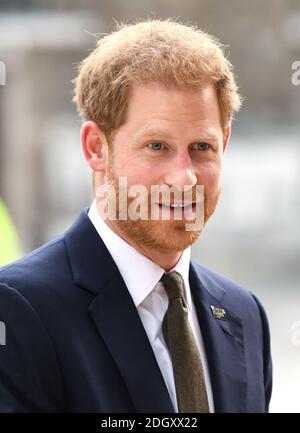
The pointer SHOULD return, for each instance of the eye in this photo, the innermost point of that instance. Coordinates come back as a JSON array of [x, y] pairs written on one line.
[[156, 145], [201, 146]]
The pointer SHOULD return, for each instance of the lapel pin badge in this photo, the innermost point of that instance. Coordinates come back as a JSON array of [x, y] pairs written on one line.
[[218, 313]]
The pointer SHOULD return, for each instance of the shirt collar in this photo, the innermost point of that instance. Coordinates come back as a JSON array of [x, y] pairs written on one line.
[[182, 267], [140, 283]]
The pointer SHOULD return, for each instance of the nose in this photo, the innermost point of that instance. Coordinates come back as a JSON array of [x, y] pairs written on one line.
[[180, 171]]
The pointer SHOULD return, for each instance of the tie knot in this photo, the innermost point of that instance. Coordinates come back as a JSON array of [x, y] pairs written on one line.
[[174, 285]]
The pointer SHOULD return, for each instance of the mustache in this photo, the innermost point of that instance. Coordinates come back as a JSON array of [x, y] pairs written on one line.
[[162, 193]]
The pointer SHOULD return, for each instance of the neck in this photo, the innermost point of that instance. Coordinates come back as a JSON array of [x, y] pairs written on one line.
[[165, 259]]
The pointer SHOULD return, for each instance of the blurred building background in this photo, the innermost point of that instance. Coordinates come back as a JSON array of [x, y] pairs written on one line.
[[254, 236]]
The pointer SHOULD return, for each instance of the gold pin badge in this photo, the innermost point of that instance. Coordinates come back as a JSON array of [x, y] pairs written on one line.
[[218, 313]]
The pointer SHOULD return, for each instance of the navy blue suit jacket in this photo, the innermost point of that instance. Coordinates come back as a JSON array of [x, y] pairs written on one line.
[[75, 342]]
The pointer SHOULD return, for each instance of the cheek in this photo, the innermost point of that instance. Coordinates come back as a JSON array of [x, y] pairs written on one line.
[[137, 170], [209, 174], [139, 177], [137, 173]]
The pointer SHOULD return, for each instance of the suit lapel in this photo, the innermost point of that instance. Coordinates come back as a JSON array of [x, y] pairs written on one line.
[[119, 324], [223, 342], [116, 317]]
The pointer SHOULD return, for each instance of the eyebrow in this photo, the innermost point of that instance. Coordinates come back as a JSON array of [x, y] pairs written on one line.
[[149, 132], [207, 135]]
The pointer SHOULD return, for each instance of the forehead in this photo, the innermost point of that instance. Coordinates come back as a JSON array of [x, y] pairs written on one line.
[[154, 108]]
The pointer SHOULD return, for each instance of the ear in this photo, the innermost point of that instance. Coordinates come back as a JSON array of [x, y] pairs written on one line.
[[227, 134], [94, 145]]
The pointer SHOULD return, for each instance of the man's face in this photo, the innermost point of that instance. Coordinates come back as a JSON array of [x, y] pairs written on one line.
[[171, 137]]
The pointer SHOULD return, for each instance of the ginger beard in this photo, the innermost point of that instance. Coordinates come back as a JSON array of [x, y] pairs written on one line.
[[162, 235]]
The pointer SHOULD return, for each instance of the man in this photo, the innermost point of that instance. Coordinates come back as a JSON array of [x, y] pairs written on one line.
[[113, 316]]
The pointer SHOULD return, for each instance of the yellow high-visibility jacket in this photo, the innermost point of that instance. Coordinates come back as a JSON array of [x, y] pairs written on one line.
[[9, 244]]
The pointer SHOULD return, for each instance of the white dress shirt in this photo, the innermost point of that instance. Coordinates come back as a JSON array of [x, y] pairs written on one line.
[[150, 298]]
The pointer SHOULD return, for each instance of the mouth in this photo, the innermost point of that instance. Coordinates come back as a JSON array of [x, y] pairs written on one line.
[[177, 206], [177, 211]]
